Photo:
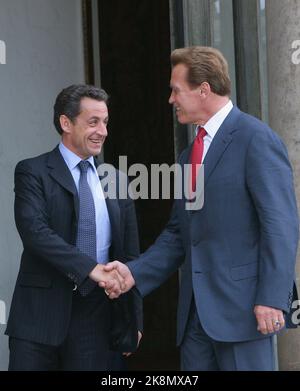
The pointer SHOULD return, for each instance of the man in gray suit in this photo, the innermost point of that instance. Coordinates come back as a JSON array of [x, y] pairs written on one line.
[[237, 253]]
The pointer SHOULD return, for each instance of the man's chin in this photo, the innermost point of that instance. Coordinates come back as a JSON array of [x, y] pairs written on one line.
[[95, 151], [182, 121]]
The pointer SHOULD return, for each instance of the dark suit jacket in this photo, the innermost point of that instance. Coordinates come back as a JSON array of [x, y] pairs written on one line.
[[239, 250], [46, 214]]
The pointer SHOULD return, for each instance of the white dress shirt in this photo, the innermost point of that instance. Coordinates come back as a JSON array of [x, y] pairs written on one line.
[[213, 125], [103, 227]]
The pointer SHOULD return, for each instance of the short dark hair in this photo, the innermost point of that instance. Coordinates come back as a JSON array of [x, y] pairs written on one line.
[[68, 101]]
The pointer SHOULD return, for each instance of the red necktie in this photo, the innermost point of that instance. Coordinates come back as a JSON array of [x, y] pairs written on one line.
[[196, 156]]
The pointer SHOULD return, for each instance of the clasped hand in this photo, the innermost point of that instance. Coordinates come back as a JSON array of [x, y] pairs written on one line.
[[114, 277]]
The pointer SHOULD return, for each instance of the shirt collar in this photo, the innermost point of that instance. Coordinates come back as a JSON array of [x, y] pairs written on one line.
[[214, 123], [72, 159]]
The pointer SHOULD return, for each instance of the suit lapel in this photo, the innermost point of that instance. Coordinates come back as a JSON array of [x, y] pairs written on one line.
[[114, 217], [61, 174], [113, 209], [220, 143]]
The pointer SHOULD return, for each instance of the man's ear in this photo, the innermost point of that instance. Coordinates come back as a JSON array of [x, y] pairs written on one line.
[[204, 89], [65, 123]]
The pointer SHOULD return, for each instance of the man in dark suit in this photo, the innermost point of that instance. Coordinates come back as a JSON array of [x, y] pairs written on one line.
[[60, 318], [237, 253]]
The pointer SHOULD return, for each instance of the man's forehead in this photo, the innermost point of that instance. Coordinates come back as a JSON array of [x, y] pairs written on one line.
[[93, 105], [179, 69], [179, 72]]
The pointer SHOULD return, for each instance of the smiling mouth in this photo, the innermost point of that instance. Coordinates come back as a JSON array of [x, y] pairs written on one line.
[[97, 142]]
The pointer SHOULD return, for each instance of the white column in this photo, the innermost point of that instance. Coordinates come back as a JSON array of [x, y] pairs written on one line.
[[282, 19]]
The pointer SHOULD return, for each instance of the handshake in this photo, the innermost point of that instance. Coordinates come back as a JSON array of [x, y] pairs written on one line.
[[114, 277]]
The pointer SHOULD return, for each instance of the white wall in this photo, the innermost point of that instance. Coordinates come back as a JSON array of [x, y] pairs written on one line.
[[44, 53]]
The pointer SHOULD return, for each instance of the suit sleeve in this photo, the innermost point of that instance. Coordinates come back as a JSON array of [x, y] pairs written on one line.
[[270, 181], [38, 237], [132, 251], [130, 240], [162, 259]]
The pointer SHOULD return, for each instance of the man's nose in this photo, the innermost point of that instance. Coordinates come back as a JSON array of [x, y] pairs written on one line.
[[102, 130], [171, 98]]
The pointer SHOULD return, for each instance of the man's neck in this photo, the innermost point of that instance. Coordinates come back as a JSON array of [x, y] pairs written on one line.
[[214, 104]]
